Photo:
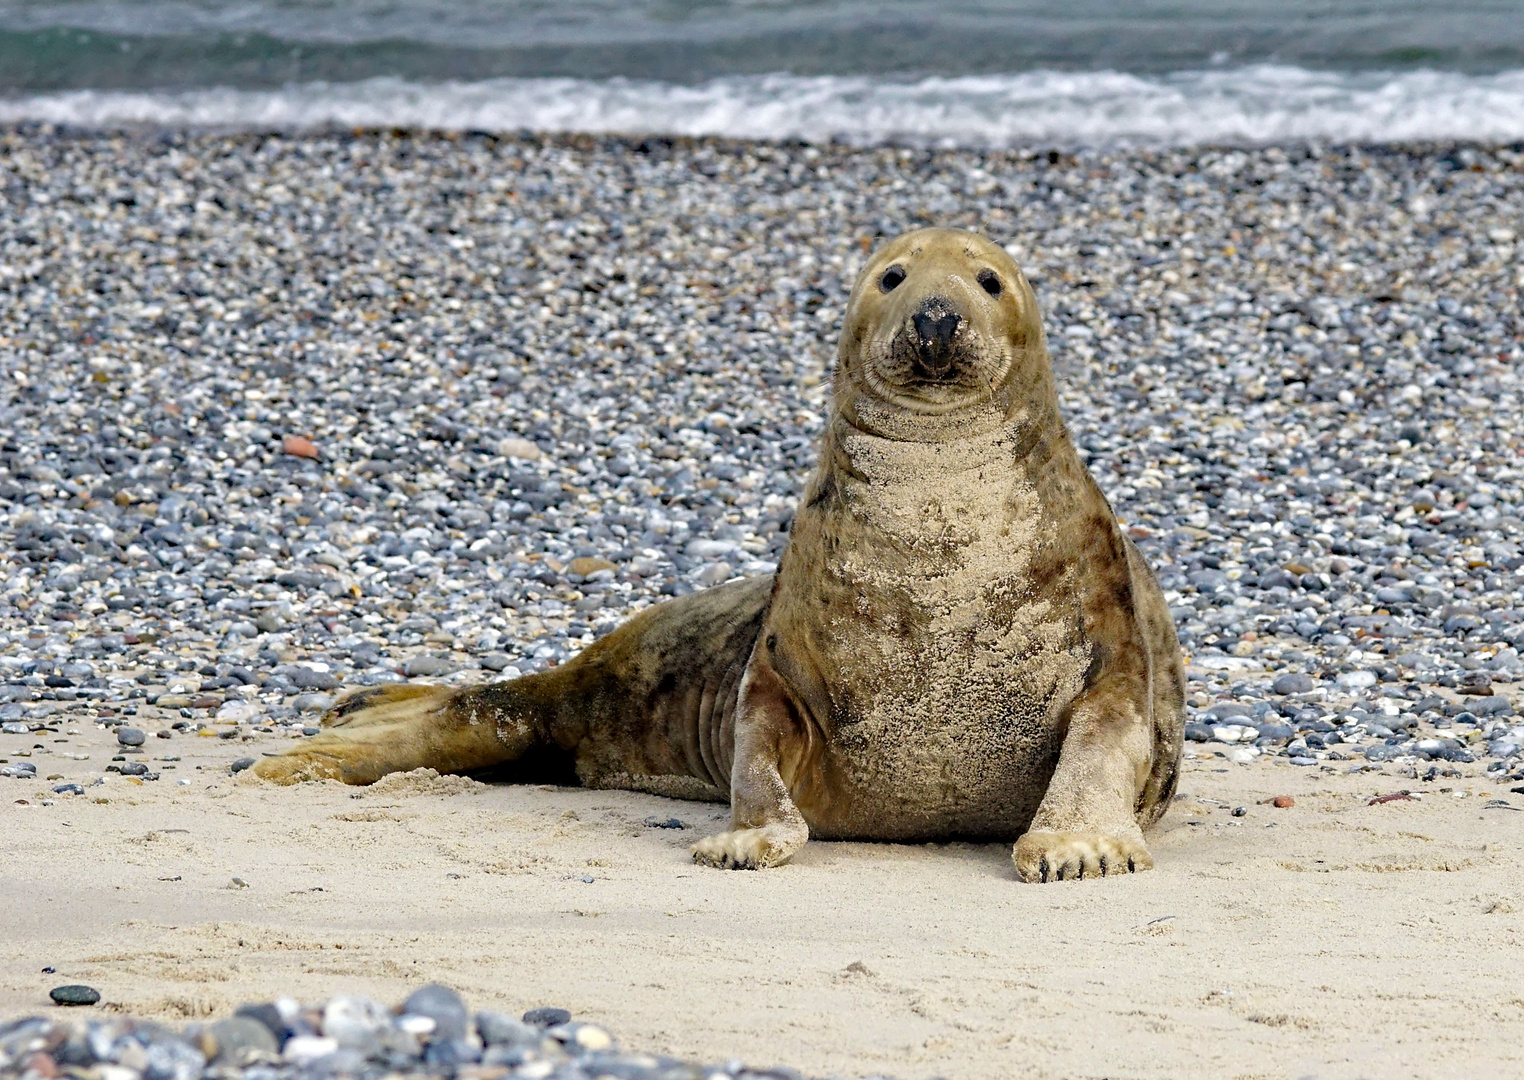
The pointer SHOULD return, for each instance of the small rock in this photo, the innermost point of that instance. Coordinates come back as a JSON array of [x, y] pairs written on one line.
[[442, 1005], [74, 994], [239, 1039], [312, 702], [268, 1014], [243, 763], [446, 1054], [308, 679], [356, 1022], [420, 1027], [663, 823], [173, 1059], [500, 1029], [236, 712], [1357, 680], [299, 446], [346, 1061], [522, 449], [305, 1049], [1240, 811], [547, 1016], [495, 661], [715, 574], [588, 1038], [427, 665], [1481, 687], [587, 566], [131, 736], [1283, 802], [1292, 683]]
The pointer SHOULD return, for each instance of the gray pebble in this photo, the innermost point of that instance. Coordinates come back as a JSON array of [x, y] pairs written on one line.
[[501, 1029], [239, 1039], [1292, 683], [74, 994], [358, 1023], [442, 1005], [312, 702], [547, 1016], [427, 665]]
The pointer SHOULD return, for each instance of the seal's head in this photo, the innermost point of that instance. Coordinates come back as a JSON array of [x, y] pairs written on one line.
[[942, 319]]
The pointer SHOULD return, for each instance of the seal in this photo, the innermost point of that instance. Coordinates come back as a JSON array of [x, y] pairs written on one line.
[[960, 641]]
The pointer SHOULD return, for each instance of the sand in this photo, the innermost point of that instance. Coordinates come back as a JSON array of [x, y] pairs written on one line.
[[1332, 939]]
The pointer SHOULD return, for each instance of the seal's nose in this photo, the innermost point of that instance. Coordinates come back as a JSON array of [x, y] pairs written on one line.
[[935, 324]]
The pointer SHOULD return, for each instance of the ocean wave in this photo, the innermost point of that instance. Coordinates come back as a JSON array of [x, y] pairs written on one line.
[[1247, 105]]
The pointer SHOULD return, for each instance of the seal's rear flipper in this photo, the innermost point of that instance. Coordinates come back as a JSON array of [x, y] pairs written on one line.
[[646, 707], [397, 728]]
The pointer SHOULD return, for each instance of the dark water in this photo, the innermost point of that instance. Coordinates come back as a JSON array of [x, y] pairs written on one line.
[[951, 72], [117, 44]]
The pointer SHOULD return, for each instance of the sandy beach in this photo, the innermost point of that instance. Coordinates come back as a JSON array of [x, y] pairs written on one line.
[[1333, 939]]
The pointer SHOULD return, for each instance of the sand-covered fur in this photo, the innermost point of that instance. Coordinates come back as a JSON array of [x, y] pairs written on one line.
[[959, 641]]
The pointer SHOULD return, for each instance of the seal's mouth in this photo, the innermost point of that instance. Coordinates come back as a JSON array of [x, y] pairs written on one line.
[[966, 372], [935, 352], [916, 361]]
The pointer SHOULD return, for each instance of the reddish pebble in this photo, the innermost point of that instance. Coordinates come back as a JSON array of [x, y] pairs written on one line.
[[1285, 802], [40, 1064], [299, 446]]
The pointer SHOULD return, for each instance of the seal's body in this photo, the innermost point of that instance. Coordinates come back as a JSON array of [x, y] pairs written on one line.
[[959, 641]]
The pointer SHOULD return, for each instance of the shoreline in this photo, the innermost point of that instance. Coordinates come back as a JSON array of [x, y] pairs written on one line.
[[1509, 150]]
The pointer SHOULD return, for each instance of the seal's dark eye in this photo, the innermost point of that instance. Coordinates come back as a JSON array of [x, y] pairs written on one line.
[[892, 278], [991, 282]]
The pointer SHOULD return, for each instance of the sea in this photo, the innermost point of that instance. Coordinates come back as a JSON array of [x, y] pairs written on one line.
[[920, 72]]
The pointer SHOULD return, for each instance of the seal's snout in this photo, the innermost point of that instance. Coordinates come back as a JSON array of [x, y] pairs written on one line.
[[936, 326]]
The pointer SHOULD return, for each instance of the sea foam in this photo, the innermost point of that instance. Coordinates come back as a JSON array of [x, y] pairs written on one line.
[[1246, 105]]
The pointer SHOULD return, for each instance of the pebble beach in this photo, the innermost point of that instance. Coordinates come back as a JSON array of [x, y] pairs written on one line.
[[288, 414]]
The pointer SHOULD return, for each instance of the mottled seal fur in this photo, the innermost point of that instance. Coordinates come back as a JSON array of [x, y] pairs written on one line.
[[959, 641]]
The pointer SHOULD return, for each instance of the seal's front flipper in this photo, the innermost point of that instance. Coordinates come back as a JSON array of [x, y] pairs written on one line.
[[767, 827], [1087, 824], [1067, 856], [398, 728]]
